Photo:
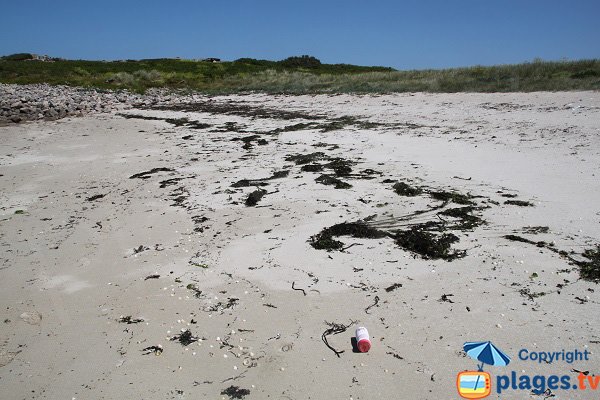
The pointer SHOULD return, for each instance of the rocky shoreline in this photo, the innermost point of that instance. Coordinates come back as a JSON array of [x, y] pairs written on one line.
[[20, 103]]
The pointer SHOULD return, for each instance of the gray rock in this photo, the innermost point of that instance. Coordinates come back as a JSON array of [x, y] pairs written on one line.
[[31, 317]]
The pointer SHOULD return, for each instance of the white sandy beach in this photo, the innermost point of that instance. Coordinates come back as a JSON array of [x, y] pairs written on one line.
[[72, 222]]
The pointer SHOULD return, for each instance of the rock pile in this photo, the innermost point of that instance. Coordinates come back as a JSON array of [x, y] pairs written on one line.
[[19, 103]]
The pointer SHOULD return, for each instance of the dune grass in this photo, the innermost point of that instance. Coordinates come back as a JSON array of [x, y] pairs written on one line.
[[300, 75]]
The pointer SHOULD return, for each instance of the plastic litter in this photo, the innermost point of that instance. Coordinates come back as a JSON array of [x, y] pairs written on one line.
[[363, 342]]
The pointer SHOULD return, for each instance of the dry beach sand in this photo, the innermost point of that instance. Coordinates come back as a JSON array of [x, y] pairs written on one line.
[[122, 232]]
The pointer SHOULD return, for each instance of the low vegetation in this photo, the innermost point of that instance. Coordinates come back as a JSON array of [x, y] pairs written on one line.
[[304, 74]]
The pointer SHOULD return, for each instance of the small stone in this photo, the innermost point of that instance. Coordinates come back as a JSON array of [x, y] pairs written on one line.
[[31, 317]]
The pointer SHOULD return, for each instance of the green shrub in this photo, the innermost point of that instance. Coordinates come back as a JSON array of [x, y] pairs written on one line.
[[301, 62], [19, 57]]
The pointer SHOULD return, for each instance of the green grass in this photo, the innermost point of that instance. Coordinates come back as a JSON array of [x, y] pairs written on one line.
[[300, 75]]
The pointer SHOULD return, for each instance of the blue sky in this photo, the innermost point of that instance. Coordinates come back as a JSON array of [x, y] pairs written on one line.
[[401, 34]]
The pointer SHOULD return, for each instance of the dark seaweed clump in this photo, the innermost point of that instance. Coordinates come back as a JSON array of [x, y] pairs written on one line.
[[520, 203], [533, 230], [466, 219], [344, 121], [254, 197], [428, 239], [404, 189], [312, 167], [454, 197], [429, 245], [332, 180], [248, 183], [590, 270], [301, 159], [324, 240], [130, 320], [185, 338], [248, 139], [235, 392], [340, 166], [261, 181]]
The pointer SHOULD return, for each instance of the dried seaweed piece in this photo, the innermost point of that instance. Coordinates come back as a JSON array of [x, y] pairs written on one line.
[[248, 183], [393, 287], [154, 276], [220, 306], [455, 197], [547, 394], [395, 355], [335, 329], [446, 298], [235, 392], [404, 189], [375, 304], [140, 248], [169, 182], [157, 350], [254, 197], [520, 203], [262, 181], [146, 174], [580, 372], [302, 290], [185, 338], [197, 292], [516, 238], [300, 159], [130, 320], [332, 180], [312, 167], [526, 292], [535, 229], [95, 197], [370, 171]]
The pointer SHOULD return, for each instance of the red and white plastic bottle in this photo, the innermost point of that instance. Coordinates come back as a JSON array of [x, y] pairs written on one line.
[[363, 342]]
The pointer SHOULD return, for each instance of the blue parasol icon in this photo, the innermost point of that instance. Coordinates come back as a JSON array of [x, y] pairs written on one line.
[[486, 353]]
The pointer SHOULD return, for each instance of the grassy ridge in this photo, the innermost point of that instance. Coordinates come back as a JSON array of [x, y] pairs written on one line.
[[294, 77]]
